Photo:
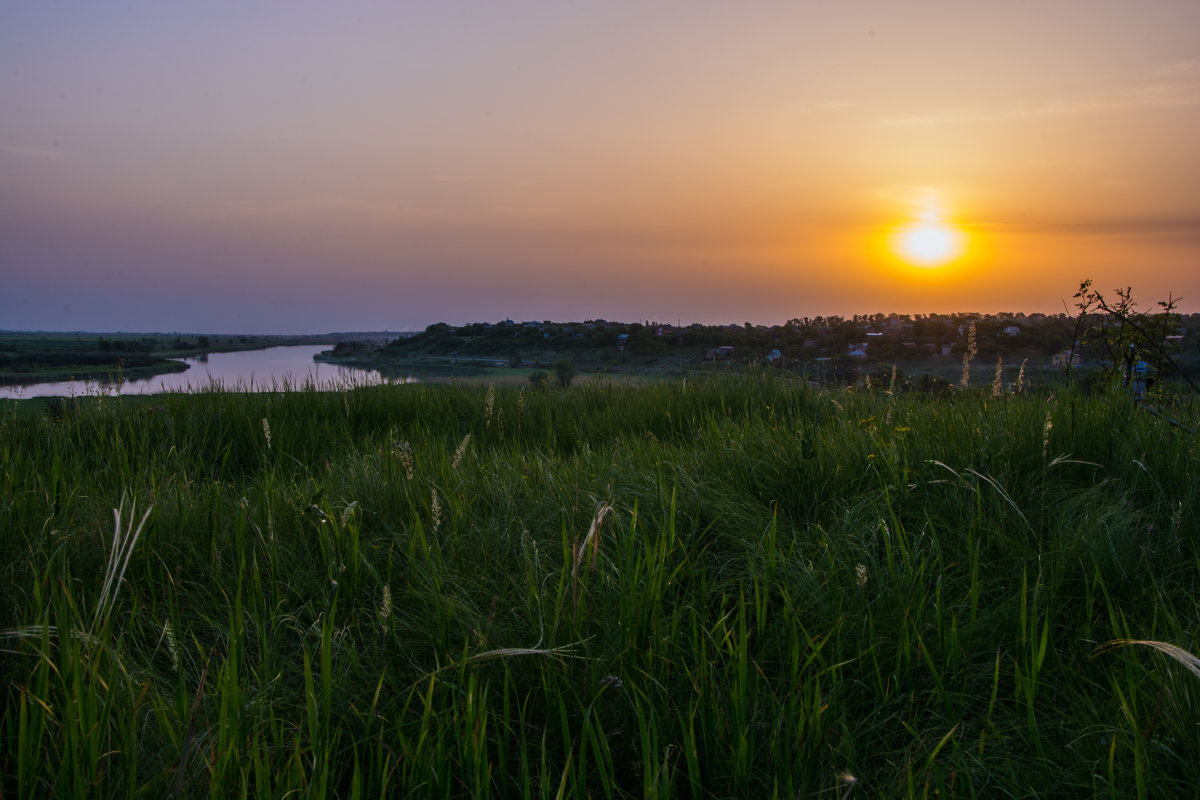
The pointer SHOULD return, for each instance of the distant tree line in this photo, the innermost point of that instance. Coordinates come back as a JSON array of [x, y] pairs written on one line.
[[889, 337], [41, 359]]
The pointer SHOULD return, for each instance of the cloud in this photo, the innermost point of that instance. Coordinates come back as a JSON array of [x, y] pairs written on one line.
[[1182, 226], [1175, 85], [830, 105], [1187, 227]]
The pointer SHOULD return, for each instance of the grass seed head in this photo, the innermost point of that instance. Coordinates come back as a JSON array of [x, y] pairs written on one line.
[[458, 454], [385, 607], [1046, 434], [168, 635], [968, 357], [489, 404], [403, 451]]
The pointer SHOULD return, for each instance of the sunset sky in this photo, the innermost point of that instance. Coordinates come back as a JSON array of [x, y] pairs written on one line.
[[271, 167]]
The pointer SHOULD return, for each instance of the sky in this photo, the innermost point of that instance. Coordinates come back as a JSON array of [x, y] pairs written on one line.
[[304, 167]]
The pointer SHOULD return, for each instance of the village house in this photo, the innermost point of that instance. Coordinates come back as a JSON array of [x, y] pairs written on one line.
[[718, 353], [1065, 357]]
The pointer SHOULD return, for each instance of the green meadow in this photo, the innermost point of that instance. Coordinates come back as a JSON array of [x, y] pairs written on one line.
[[737, 586]]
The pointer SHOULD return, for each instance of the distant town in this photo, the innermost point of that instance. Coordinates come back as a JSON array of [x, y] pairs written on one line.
[[837, 347]]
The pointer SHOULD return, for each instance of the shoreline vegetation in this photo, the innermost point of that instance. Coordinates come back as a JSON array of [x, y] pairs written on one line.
[[733, 585], [36, 357]]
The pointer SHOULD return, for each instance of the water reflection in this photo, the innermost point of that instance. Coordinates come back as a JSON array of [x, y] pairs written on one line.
[[271, 369]]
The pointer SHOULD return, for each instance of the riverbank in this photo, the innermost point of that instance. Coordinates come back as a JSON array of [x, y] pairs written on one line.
[[42, 357]]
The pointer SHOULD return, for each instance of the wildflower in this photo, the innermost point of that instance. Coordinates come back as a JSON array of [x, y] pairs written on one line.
[[998, 381], [267, 432], [613, 681], [458, 454], [860, 574]]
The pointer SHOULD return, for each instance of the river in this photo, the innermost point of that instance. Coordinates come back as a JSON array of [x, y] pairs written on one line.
[[290, 367]]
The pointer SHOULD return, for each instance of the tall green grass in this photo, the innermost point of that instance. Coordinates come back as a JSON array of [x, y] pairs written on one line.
[[728, 587]]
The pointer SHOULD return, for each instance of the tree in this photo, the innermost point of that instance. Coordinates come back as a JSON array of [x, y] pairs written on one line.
[[564, 370], [1125, 334]]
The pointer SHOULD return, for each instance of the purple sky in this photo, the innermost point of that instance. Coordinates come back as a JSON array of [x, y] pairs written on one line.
[[307, 167]]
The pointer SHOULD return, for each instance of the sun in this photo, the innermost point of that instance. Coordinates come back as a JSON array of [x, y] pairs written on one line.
[[928, 243]]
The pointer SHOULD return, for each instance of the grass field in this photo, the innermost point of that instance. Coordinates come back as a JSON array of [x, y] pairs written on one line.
[[733, 587]]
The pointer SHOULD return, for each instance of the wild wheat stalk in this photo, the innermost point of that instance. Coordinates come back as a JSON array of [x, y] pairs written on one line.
[[998, 381], [118, 560], [1190, 661], [593, 538]]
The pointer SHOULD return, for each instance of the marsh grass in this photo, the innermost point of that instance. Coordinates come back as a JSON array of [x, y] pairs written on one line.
[[727, 587]]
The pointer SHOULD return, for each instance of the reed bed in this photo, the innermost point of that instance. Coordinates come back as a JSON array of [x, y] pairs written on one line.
[[736, 587]]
